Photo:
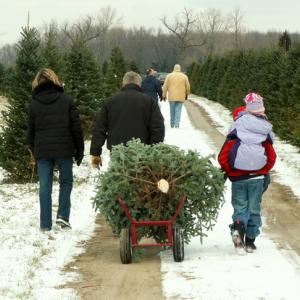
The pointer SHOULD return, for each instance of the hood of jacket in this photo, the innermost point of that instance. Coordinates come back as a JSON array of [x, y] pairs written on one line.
[[252, 129], [149, 79], [47, 93]]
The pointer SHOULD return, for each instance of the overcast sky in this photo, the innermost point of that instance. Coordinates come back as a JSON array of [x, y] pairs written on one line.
[[261, 15]]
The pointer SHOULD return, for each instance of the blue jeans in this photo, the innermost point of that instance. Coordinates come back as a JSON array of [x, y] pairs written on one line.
[[175, 112], [246, 201], [45, 172]]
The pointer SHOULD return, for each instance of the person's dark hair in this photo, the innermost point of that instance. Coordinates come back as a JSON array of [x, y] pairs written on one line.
[[148, 71]]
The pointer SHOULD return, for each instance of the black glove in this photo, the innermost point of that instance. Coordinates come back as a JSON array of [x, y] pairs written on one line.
[[78, 158]]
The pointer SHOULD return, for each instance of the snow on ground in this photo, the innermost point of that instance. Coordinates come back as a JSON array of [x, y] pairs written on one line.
[[287, 166], [32, 262], [214, 270]]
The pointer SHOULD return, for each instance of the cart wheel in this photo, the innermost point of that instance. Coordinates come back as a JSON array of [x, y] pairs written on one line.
[[125, 246], [178, 244]]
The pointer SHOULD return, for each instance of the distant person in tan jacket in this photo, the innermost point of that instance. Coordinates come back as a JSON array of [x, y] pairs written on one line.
[[176, 88]]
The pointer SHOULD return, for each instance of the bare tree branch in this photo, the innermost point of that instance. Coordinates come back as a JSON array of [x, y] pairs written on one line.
[[83, 31], [187, 33]]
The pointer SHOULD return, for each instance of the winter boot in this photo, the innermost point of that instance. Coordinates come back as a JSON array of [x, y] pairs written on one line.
[[238, 234], [250, 246]]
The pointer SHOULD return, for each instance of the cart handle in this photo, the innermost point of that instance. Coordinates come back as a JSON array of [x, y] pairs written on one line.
[[128, 214], [179, 208]]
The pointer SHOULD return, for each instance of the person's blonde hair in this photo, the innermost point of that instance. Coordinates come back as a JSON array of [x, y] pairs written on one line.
[[132, 77], [45, 75]]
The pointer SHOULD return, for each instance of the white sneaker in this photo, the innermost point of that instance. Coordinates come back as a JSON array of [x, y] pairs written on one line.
[[63, 223]]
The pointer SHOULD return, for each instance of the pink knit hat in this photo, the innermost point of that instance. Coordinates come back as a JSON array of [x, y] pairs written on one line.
[[254, 103]]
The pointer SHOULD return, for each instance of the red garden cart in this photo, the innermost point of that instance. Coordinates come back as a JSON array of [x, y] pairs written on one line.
[[128, 237]]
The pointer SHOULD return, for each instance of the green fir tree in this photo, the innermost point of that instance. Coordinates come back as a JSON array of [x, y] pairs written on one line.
[[14, 155], [2, 76], [285, 41], [7, 84], [51, 55], [104, 67], [132, 66], [135, 173], [83, 81], [115, 72]]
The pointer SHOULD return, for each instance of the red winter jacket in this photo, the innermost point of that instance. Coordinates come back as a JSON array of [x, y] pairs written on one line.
[[235, 174]]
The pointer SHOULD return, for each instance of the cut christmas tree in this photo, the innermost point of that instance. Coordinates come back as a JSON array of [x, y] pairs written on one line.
[[151, 180]]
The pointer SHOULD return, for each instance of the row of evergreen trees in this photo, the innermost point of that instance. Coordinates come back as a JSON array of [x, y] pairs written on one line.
[[275, 74], [86, 81]]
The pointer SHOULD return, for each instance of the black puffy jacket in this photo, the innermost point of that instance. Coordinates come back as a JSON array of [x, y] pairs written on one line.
[[54, 128], [129, 114], [151, 86]]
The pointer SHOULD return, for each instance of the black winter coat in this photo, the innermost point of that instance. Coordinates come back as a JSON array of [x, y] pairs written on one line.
[[151, 86], [129, 114], [54, 128]]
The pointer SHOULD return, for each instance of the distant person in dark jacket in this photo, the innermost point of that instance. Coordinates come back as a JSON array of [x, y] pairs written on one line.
[[126, 115], [54, 136], [151, 85]]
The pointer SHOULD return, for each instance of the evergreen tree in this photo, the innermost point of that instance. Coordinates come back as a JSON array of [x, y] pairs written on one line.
[[2, 76], [51, 55], [14, 154], [115, 72], [132, 66], [290, 89], [84, 83], [285, 41], [201, 80], [134, 173], [104, 68], [193, 73], [7, 84]]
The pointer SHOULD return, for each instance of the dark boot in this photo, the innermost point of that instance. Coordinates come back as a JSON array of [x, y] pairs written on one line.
[[250, 246], [238, 234]]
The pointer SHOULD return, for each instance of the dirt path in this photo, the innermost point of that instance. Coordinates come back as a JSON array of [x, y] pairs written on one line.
[[280, 208], [104, 277]]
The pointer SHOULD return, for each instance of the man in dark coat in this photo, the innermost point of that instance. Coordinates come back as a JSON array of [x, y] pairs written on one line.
[[126, 115], [151, 86], [54, 137]]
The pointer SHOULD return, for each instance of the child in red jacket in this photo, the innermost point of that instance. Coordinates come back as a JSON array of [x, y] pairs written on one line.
[[246, 157]]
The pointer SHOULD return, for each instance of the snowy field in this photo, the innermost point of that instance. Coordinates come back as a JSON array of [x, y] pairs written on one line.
[[32, 262], [214, 270]]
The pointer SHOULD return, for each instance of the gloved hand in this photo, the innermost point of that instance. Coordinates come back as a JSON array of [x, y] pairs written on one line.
[[96, 161], [31, 159], [78, 158]]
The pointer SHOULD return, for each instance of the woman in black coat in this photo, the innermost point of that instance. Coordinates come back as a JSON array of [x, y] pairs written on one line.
[[55, 137]]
